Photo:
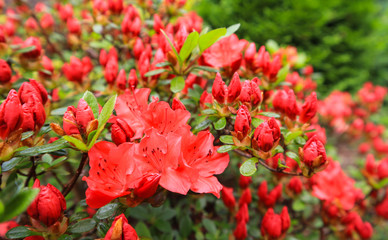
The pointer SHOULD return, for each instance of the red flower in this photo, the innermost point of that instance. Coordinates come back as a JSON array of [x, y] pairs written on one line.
[[116, 6], [313, 156], [250, 94], [309, 108], [74, 71], [121, 80], [273, 225], [48, 206], [246, 197], [11, 114], [204, 160], [269, 199], [177, 104], [219, 90], [121, 229], [111, 174], [47, 22], [6, 226], [132, 79], [284, 101], [47, 65], [266, 136], [382, 207], [121, 132], [76, 120], [243, 214], [234, 88], [111, 70], [5, 72], [73, 26], [240, 233], [158, 24], [34, 114], [35, 53], [295, 185]]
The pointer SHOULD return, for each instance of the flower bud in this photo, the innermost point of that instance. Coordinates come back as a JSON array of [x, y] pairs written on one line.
[[382, 207], [313, 157], [35, 53], [269, 199], [250, 94], [132, 79], [250, 53], [116, 6], [284, 102], [70, 125], [121, 229], [295, 186], [364, 229], [73, 26], [240, 233], [121, 80], [219, 89], [246, 197], [228, 198], [138, 48], [244, 181], [147, 186], [84, 114], [48, 206], [382, 169], [234, 88], [273, 225], [242, 125], [48, 66], [309, 108], [121, 132], [47, 22], [177, 104], [11, 115], [74, 70], [205, 98], [158, 24], [27, 89], [266, 136], [243, 214], [5, 72], [103, 58], [87, 65], [34, 114], [111, 70]]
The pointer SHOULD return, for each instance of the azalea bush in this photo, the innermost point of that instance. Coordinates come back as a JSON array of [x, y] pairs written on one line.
[[135, 121]]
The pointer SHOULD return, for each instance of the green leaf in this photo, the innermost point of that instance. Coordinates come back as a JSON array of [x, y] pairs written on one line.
[[207, 69], [298, 205], [173, 48], [142, 230], [291, 136], [282, 74], [92, 102], [163, 226], [227, 139], [65, 237], [163, 64], [78, 143], [209, 111], [26, 49], [19, 204], [209, 225], [220, 124], [226, 148], [107, 211], [78, 216], [155, 72], [203, 125], [293, 155], [232, 29], [58, 111], [26, 135], [185, 226], [189, 45], [300, 140], [270, 114], [105, 114], [83, 226], [47, 148], [208, 39], [256, 122], [248, 168], [177, 84], [20, 232], [272, 46], [13, 162], [382, 183]]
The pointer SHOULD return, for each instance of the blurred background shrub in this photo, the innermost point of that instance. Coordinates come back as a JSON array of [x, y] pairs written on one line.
[[345, 40]]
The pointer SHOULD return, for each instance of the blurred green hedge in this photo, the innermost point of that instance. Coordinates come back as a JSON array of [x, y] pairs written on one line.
[[345, 40]]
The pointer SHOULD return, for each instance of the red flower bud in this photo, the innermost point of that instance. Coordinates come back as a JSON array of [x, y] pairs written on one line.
[[313, 156], [121, 229], [34, 114], [266, 136], [132, 79], [364, 229], [309, 108], [284, 101], [48, 206], [116, 6], [370, 165], [269, 199], [47, 22], [274, 225], [84, 114], [382, 169], [147, 186], [27, 89], [243, 214], [35, 53], [66, 12], [121, 80], [158, 24], [70, 125], [205, 98], [138, 48], [244, 181], [246, 197], [103, 58], [47, 65], [177, 104], [74, 70], [121, 132], [295, 185], [382, 207], [250, 94], [219, 90], [240, 233], [31, 24], [242, 125], [234, 88], [111, 70], [73, 26], [250, 53], [5, 72], [11, 114], [228, 198]]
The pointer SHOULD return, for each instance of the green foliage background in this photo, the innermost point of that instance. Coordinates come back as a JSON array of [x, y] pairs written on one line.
[[347, 41]]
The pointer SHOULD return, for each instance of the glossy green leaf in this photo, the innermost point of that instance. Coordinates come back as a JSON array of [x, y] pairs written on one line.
[[26, 49], [47, 148], [232, 29], [293, 155], [18, 204], [208, 39], [291, 136], [220, 124], [270, 114], [226, 148], [227, 139], [83, 226], [20, 232], [77, 143], [256, 122], [92, 102], [155, 72], [107, 211], [189, 45], [173, 48], [248, 168], [177, 84]]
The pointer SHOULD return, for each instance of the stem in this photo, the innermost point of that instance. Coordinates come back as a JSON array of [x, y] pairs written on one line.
[[1, 174], [31, 173], [74, 179]]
